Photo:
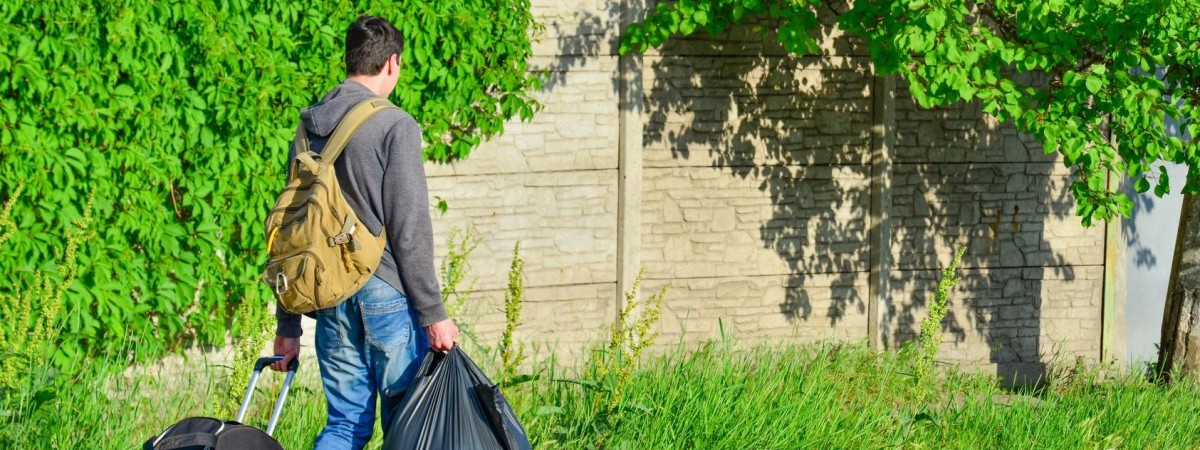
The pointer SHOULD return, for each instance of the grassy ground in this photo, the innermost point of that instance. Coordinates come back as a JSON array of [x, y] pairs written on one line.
[[818, 396], [830, 396]]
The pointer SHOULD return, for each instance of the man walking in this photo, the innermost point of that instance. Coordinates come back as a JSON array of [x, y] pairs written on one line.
[[369, 344]]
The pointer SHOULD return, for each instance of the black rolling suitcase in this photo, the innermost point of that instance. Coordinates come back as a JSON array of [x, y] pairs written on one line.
[[204, 433]]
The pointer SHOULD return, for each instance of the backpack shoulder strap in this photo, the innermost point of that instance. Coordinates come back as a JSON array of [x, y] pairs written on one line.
[[301, 139], [349, 124], [301, 144]]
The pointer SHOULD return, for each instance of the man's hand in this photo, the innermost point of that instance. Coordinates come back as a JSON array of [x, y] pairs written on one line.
[[442, 335], [289, 348]]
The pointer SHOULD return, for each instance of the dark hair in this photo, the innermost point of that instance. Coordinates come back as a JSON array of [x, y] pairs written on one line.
[[370, 41]]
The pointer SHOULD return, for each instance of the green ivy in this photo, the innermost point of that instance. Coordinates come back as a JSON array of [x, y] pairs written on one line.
[[178, 115], [1105, 73]]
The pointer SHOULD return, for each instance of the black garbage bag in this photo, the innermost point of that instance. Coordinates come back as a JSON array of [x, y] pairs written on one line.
[[451, 404]]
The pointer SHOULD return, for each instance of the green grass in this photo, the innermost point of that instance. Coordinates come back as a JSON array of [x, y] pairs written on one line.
[[787, 397]]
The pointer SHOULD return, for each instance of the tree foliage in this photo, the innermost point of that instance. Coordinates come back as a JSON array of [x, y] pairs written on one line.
[[177, 115], [1092, 79]]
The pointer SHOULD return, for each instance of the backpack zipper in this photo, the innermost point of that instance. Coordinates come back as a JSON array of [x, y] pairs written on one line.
[[315, 258]]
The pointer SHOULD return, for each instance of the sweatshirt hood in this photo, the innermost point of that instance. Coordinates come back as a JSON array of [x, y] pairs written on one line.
[[320, 119]]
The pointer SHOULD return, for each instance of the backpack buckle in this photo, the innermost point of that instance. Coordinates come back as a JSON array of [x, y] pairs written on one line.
[[341, 239], [347, 234], [281, 283]]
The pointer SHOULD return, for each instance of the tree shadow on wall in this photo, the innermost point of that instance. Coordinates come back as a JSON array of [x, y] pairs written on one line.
[[799, 129], [1143, 205], [961, 179], [581, 38]]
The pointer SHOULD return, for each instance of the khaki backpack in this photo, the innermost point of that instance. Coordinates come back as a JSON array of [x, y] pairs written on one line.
[[320, 254]]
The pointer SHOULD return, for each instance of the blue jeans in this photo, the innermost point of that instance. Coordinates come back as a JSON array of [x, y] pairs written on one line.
[[370, 344]]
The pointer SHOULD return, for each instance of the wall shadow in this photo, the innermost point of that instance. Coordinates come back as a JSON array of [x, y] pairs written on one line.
[[1143, 205], [1149, 235], [580, 39], [961, 179], [801, 127]]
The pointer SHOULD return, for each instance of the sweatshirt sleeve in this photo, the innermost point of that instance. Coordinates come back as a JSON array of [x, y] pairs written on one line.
[[407, 223], [287, 324]]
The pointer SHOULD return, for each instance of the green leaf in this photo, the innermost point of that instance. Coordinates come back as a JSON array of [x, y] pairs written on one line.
[[206, 137], [936, 19], [1124, 205], [1141, 185], [687, 27], [1164, 182], [123, 91], [919, 94], [739, 11], [441, 205], [1094, 84]]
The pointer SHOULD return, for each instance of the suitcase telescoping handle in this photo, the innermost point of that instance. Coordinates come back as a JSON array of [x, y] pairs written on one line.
[[287, 384]]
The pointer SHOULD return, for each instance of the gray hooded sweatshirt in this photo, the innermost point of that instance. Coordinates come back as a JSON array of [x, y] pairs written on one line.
[[383, 180]]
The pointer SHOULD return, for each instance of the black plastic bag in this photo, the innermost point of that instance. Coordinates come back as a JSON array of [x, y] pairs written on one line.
[[451, 404]]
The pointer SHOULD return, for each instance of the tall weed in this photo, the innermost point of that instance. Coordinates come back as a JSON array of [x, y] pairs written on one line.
[[930, 337], [457, 285], [511, 356], [252, 324], [456, 269], [30, 330], [610, 370], [634, 330]]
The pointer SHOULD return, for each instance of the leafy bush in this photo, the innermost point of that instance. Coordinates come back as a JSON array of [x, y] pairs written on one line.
[[178, 114]]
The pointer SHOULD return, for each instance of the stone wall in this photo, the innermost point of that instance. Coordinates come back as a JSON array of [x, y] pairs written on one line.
[[1032, 275], [550, 184], [748, 192]]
